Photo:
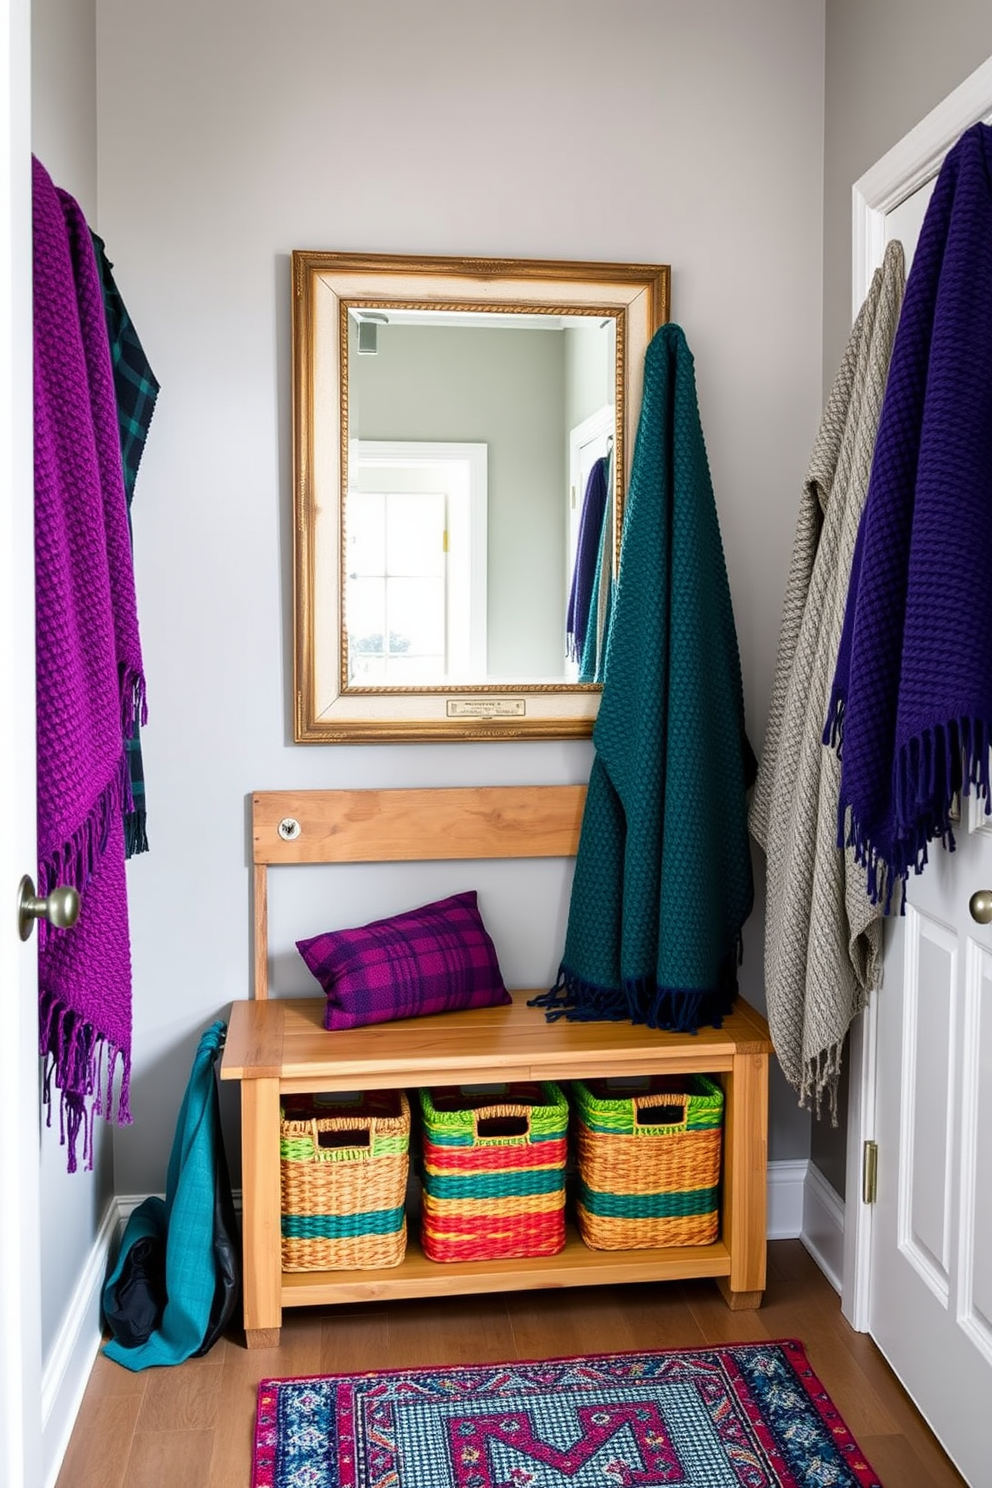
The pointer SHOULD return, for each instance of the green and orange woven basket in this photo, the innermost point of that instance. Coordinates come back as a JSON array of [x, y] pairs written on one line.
[[648, 1161], [344, 1163], [494, 1171]]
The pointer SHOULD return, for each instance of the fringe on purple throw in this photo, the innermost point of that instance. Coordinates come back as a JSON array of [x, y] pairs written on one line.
[[83, 1069], [930, 771], [84, 1049], [90, 679]]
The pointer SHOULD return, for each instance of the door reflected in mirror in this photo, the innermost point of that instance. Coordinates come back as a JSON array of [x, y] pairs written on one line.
[[453, 420]]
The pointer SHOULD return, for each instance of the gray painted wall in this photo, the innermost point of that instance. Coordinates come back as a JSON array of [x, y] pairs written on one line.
[[590, 361], [251, 144], [63, 96], [888, 63]]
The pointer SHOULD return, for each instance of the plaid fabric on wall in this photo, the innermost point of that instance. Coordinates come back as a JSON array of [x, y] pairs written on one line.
[[135, 390]]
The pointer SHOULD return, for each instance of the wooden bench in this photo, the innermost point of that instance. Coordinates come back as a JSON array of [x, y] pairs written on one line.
[[280, 1045]]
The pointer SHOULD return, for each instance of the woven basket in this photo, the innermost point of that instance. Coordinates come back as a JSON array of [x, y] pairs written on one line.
[[649, 1162], [494, 1171], [344, 1166]]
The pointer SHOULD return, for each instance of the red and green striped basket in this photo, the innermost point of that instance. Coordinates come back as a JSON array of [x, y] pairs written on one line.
[[494, 1171], [648, 1160], [344, 1164]]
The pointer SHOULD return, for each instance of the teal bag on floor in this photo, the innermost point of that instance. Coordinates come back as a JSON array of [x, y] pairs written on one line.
[[176, 1281]]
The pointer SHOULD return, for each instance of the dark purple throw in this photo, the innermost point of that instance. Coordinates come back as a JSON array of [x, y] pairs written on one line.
[[912, 698], [89, 673], [586, 555]]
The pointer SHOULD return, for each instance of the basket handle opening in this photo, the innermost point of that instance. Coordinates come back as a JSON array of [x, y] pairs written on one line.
[[502, 1123], [349, 1137], [665, 1110], [502, 1126]]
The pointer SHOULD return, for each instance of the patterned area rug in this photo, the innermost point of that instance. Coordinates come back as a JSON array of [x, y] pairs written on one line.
[[749, 1416]]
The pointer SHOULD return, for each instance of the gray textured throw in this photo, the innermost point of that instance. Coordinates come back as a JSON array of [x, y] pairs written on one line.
[[822, 932]]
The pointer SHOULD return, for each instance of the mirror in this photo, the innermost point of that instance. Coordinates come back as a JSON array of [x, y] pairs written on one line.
[[462, 433]]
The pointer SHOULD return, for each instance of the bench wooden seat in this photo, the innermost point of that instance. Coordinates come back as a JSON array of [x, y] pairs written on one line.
[[280, 1045]]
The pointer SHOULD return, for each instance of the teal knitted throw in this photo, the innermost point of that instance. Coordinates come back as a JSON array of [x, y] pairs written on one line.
[[662, 880], [184, 1223]]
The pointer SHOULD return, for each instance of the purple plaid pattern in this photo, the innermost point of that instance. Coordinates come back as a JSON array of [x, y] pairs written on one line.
[[435, 959]]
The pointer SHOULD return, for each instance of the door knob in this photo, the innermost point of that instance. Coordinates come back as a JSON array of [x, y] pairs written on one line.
[[61, 908], [980, 906]]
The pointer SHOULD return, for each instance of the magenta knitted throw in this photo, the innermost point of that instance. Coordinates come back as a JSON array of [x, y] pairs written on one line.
[[89, 673]]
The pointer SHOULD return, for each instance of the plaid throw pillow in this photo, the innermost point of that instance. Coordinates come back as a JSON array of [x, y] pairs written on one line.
[[435, 959]]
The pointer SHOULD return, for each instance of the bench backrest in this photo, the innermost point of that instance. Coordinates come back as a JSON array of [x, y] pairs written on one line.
[[388, 826]]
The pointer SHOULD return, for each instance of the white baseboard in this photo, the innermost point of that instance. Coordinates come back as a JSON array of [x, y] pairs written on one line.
[[127, 1203], [823, 1226], [67, 1368], [786, 1181]]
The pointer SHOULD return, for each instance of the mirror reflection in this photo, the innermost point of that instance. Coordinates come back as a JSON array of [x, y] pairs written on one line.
[[472, 438]]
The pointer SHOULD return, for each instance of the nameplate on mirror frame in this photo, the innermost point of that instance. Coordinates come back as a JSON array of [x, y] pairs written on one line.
[[495, 707]]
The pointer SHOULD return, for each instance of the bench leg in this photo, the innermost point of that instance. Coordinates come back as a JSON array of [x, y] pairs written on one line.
[[261, 1217], [745, 1180], [738, 1301], [257, 1338]]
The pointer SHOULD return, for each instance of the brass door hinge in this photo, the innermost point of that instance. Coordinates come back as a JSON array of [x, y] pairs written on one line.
[[869, 1173]]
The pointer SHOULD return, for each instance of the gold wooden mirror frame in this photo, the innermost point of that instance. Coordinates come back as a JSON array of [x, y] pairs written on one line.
[[327, 288]]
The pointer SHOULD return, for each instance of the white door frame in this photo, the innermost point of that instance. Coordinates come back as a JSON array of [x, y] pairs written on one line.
[[20, 1282], [916, 159]]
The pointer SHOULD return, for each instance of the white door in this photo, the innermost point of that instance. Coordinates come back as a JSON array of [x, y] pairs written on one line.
[[929, 1290], [931, 1277], [20, 1308]]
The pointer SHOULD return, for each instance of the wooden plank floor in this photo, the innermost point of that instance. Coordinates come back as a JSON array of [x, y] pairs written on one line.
[[192, 1424]]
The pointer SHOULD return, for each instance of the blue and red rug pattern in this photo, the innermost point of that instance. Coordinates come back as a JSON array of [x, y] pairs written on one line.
[[745, 1416]]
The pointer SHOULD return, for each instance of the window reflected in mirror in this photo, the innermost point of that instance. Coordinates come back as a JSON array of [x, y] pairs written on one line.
[[416, 532]]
